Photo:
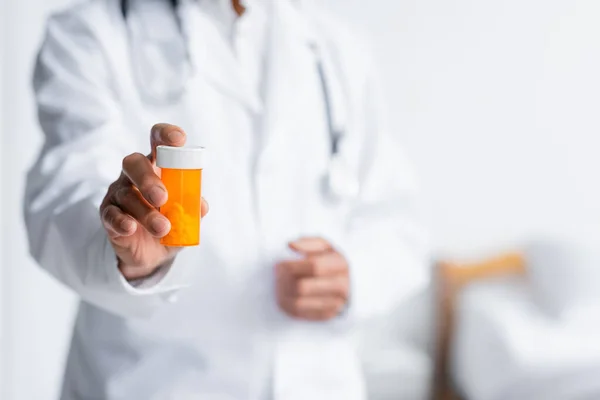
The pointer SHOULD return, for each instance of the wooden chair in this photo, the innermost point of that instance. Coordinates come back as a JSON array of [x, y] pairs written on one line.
[[452, 277]]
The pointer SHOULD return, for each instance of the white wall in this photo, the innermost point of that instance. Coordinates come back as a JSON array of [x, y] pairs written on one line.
[[497, 101], [2, 243], [37, 312]]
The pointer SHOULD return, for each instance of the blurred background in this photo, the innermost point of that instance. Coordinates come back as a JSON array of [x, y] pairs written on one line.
[[497, 103]]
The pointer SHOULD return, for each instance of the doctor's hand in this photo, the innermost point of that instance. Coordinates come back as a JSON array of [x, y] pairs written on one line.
[[129, 211], [316, 286]]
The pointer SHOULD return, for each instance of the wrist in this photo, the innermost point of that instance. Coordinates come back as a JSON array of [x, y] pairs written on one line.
[[133, 273]]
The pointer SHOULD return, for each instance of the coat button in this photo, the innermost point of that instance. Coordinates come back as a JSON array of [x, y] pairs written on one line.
[[172, 298]]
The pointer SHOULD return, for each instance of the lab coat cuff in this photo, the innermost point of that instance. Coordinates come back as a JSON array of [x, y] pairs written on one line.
[[346, 315], [355, 265], [375, 282], [166, 280]]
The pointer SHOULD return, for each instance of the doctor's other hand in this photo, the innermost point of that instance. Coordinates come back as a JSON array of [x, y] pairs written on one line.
[[316, 286], [129, 210]]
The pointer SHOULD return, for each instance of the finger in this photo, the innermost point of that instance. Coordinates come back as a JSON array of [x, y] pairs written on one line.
[[131, 202], [310, 245], [294, 268], [166, 135], [329, 286], [324, 264], [314, 308], [328, 264], [116, 222], [204, 208], [140, 172]]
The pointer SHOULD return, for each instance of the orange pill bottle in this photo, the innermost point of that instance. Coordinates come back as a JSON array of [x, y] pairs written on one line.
[[181, 173]]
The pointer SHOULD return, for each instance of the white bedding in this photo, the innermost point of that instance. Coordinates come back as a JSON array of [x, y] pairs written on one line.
[[565, 277], [506, 348]]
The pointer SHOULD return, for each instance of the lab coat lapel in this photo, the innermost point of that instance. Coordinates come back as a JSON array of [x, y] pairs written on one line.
[[213, 58], [289, 60]]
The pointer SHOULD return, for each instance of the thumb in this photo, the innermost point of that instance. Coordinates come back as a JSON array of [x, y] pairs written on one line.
[[310, 245], [167, 135]]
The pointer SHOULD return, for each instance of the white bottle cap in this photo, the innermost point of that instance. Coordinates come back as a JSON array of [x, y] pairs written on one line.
[[180, 157]]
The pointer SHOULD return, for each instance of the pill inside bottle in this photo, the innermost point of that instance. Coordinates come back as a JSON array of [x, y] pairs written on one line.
[[181, 173]]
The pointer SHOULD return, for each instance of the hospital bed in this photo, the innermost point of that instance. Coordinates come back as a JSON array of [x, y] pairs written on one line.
[[496, 342]]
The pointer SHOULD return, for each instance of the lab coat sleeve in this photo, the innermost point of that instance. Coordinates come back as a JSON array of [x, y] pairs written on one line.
[[85, 141], [385, 244]]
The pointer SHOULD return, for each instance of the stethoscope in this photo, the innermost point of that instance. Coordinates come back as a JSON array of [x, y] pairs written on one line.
[[339, 183]]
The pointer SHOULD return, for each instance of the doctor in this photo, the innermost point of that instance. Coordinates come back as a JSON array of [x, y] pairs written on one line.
[[310, 231]]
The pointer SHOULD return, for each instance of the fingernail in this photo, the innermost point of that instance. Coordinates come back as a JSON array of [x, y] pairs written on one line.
[[156, 195], [175, 136], [159, 225], [127, 225]]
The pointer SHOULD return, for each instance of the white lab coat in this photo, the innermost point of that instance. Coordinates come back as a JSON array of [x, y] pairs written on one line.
[[208, 326]]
